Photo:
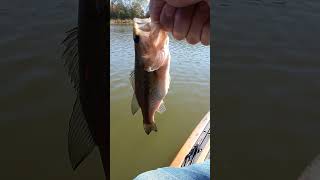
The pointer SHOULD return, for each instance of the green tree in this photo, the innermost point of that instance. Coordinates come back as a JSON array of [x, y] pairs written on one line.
[[127, 9]]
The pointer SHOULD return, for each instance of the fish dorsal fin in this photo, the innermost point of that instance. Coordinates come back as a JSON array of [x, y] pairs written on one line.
[[131, 78], [134, 105], [70, 55], [80, 140], [162, 108]]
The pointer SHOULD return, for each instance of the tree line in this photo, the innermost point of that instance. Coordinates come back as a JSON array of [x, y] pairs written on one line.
[[127, 9]]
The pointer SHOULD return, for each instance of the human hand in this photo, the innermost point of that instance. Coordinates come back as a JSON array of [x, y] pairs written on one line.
[[186, 19]]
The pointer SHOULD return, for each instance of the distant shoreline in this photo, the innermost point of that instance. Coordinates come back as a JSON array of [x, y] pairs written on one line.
[[121, 21]]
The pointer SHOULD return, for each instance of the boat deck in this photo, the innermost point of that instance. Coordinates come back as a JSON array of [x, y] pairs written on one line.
[[197, 147]]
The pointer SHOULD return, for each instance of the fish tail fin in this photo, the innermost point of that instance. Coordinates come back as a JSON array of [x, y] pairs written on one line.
[[80, 140], [150, 127]]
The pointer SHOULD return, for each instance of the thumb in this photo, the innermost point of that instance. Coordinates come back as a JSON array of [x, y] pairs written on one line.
[[155, 7]]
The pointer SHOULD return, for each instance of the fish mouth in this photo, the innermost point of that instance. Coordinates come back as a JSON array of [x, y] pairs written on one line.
[[153, 44], [141, 26]]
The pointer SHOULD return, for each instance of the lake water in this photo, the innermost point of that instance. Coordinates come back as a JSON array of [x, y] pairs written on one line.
[[267, 87], [132, 151]]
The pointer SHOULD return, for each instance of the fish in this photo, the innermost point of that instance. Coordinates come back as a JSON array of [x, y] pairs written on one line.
[[86, 60], [150, 78]]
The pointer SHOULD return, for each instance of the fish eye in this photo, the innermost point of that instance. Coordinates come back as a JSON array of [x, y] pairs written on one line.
[[136, 39]]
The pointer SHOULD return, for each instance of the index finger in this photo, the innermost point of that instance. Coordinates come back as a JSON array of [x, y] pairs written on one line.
[[155, 8]]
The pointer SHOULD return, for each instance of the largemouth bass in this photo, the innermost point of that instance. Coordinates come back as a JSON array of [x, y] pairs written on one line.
[[150, 79], [86, 56]]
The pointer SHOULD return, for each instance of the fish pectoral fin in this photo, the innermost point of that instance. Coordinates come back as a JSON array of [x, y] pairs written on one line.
[[150, 127], [131, 78], [80, 140], [162, 108], [134, 105]]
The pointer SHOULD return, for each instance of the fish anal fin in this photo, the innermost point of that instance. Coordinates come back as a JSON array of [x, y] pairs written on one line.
[[131, 78], [162, 108], [134, 105], [80, 140]]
